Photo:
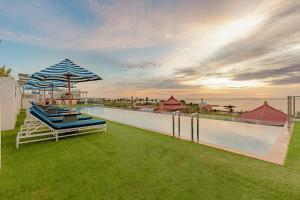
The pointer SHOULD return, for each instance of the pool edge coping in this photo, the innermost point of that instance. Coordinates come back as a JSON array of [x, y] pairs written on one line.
[[270, 156]]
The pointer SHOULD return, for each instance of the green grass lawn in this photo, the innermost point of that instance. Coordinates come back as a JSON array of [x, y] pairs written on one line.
[[130, 163]]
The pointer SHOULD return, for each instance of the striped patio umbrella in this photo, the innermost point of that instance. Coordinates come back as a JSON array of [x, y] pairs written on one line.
[[44, 85], [34, 89], [30, 87], [66, 71]]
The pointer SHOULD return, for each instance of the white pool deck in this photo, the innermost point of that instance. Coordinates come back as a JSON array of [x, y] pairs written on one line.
[[268, 143]]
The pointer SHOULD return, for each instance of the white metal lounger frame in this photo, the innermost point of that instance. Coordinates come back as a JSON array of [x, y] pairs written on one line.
[[33, 128]]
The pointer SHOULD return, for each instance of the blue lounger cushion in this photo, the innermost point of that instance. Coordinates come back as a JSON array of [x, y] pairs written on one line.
[[43, 113], [63, 111], [84, 118], [55, 115], [78, 124], [59, 110], [66, 125], [58, 119], [48, 115]]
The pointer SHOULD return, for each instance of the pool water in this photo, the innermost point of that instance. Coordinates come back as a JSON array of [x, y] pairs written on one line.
[[249, 138]]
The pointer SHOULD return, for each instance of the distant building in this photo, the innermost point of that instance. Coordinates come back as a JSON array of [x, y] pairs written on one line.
[[23, 78], [266, 115], [204, 107], [170, 105], [61, 97]]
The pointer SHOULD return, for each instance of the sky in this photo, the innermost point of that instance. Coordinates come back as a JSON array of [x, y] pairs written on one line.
[[158, 48]]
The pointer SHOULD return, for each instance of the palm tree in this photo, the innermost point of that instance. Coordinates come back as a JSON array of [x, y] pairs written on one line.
[[4, 72], [230, 108], [147, 99]]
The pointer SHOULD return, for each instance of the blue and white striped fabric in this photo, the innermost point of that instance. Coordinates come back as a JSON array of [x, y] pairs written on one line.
[[66, 70], [30, 87], [46, 84]]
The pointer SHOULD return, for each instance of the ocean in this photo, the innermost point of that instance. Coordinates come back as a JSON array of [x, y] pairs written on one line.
[[246, 104]]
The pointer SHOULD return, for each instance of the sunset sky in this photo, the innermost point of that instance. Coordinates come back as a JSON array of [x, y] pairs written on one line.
[[188, 48]]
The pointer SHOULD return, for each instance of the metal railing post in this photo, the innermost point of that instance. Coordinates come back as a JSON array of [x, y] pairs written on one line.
[[178, 124], [294, 105], [198, 128], [192, 126], [288, 108], [173, 122]]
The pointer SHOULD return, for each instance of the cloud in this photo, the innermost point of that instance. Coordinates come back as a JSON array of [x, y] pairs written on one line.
[[20, 37], [39, 23], [126, 64], [185, 72], [154, 83], [268, 73], [142, 23], [119, 24], [286, 81], [146, 34], [140, 64], [277, 32], [264, 48]]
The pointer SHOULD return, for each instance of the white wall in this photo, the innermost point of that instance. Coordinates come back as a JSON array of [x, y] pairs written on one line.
[[18, 99], [10, 102]]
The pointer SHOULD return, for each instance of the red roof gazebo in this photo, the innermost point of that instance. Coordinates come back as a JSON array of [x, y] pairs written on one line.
[[171, 105], [266, 115]]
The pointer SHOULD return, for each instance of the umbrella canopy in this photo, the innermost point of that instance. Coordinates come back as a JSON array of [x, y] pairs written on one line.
[[44, 85], [30, 87], [66, 71], [33, 90]]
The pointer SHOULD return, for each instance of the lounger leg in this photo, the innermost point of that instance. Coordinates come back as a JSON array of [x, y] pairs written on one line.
[[56, 136], [17, 142]]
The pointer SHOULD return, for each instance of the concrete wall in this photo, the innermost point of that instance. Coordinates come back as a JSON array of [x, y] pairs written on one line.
[[10, 102]]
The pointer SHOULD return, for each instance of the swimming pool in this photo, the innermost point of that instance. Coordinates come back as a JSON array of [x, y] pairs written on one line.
[[240, 137]]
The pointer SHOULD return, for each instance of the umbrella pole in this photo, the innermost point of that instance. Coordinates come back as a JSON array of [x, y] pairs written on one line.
[[22, 97], [44, 97], [69, 90], [52, 95], [37, 95]]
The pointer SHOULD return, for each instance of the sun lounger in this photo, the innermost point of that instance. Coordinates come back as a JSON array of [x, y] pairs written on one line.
[[46, 109], [31, 122], [59, 114], [42, 128], [55, 118]]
